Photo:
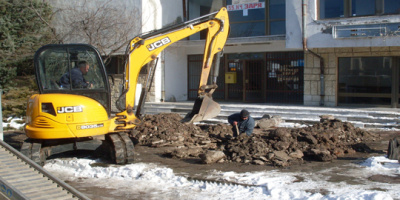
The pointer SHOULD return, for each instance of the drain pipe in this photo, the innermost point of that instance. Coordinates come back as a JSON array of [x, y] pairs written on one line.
[[305, 49], [162, 76]]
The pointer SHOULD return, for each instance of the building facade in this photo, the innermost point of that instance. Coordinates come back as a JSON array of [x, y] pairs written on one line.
[[255, 56], [302, 52], [309, 52], [351, 50]]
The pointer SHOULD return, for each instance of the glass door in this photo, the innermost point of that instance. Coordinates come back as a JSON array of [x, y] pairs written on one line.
[[253, 81], [235, 90]]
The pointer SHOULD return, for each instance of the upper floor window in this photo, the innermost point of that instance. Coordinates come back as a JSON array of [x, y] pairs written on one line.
[[277, 17], [391, 7], [354, 8], [247, 17]]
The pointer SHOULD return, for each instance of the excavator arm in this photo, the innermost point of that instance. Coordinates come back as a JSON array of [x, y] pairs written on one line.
[[145, 48]]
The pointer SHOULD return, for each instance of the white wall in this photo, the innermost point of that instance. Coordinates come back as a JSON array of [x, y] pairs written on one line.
[[151, 15], [156, 15], [176, 73], [294, 37]]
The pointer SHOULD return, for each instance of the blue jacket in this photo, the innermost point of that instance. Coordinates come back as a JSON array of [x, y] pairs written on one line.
[[246, 126], [78, 81]]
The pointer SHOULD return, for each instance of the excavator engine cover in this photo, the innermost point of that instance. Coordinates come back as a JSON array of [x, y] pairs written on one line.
[[204, 108]]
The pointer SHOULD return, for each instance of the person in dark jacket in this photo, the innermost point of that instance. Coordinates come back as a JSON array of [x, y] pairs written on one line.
[[244, 122], [77, 77]]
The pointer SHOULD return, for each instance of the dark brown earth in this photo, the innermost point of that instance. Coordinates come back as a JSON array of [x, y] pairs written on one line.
[[281, 147], [163, 140]]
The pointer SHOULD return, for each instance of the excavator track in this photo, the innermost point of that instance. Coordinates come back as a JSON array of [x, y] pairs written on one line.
[[21, 178], [122, 148], [119, 145], [33, 150]]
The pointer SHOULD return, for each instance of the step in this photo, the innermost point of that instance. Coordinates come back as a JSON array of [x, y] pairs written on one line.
[[21, 178], [367, 117]]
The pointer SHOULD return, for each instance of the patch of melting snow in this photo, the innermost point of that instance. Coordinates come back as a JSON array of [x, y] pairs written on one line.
[[14, 122], [157, 181]]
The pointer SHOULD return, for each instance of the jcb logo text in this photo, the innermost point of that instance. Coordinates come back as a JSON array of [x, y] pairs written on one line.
[[69, 109], [158, 44]]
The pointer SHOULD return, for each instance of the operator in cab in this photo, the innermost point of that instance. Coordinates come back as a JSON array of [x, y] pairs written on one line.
[[77, 77]]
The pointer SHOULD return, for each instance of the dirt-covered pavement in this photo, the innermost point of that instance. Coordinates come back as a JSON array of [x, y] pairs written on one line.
[[281, 147], [194, 150], [163, 137]]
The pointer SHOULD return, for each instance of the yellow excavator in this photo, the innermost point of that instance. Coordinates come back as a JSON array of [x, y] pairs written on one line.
[[67, 116]]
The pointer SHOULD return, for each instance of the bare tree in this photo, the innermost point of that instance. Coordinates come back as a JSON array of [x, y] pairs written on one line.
[[106, 24]]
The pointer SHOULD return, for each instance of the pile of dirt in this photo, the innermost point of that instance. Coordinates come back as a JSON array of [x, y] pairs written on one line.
[[323, 141], [166, 130]]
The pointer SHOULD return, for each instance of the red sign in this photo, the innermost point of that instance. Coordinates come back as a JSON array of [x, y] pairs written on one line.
[[246, 6]]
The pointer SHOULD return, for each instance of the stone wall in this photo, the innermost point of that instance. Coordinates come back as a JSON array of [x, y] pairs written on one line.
[[116, 89], [312, 83]]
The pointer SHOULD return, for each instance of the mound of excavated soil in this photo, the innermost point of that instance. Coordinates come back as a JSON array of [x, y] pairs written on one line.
[[324, 141]]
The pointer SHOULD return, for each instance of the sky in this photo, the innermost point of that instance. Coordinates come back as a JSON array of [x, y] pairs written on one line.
[[150, 181]]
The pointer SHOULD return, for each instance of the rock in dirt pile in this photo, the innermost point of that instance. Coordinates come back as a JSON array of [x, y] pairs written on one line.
[[323, 141]]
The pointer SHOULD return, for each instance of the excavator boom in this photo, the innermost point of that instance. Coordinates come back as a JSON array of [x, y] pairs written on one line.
[[145, 48]]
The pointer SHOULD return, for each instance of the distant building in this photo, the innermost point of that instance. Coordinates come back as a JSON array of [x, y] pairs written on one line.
[[304, 52], [358, 41]]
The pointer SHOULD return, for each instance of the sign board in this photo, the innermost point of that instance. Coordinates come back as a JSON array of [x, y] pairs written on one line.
[[230, 77], [245, 6]]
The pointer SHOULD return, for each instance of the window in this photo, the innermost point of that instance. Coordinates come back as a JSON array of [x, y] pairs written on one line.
[[277, 16], [355, 8], [251, 19], [331, 9], [247, 18], [116, 65], [61, 69], [391, 7], [363, 7], [365, 80]]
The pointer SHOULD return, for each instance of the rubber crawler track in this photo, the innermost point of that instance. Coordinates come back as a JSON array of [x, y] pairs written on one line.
[[122, 148], [32, 150]]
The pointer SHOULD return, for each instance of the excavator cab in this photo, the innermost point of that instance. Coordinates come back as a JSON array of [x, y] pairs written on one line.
[[58, 65]]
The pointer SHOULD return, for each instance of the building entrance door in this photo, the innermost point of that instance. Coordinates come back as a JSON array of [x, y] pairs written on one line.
[[248, 86], [235, 90], [253, 85], [274, 77]]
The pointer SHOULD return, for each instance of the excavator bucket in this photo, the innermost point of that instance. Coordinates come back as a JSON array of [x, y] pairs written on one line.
[[204, 108]]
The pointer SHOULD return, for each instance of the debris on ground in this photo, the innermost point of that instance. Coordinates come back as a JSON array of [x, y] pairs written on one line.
[[324, 141]]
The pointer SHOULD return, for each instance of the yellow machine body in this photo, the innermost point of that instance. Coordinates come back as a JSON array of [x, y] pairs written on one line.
[[56, 116]]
